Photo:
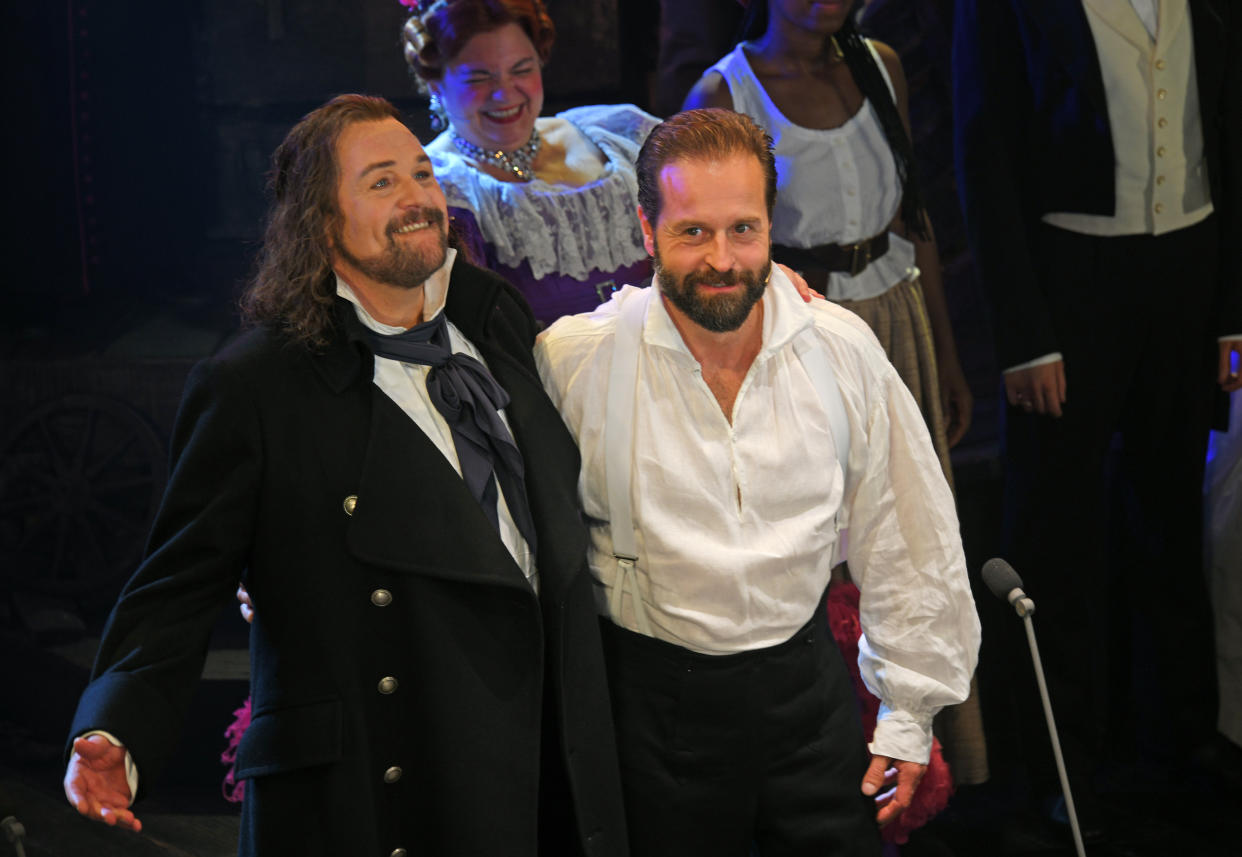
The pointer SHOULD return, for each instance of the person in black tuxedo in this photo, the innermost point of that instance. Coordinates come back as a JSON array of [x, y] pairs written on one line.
[[1099, 161], [426, 662]]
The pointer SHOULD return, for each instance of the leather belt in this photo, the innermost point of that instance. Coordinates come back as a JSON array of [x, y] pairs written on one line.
[[819, 262]]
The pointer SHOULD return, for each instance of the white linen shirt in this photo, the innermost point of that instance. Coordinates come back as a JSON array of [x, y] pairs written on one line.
[[735, 521]]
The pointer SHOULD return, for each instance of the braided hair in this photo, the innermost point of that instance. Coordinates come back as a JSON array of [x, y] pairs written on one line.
[[865, 70]]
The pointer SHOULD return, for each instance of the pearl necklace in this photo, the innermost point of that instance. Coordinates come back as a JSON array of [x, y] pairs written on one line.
[[517, 162]]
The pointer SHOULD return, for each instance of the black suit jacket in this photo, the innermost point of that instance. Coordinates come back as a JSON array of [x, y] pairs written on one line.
[[1032, 136], [408, 581]]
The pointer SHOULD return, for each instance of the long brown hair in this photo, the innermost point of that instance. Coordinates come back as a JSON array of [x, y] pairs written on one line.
[[293, 287]]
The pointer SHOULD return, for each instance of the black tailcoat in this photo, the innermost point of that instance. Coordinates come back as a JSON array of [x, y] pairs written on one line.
[[1135, 318], [1032, 136], [368, 559]]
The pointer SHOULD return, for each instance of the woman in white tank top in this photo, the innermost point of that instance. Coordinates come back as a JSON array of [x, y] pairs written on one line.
[[848, 214]]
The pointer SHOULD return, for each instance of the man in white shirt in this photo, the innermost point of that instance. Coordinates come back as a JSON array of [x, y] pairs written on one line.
[[714, 486], [1099, 159], [377, 459]]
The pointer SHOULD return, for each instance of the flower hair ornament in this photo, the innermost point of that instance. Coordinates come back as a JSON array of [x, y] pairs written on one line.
[[419, 12]]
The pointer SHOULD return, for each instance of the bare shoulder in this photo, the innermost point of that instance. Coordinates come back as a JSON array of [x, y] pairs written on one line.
[[712, 90], [892, 64]]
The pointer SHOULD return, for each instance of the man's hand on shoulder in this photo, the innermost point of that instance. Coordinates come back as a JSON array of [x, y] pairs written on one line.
[[892, 782], [804, 291], [96, 785]]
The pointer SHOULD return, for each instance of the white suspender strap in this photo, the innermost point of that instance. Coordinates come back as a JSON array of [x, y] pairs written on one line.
[[619, 452], [816, 364], [619, 439]]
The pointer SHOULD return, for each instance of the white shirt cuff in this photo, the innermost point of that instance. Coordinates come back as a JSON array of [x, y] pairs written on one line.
[[902, 735], [131, 770], [1038, 361]]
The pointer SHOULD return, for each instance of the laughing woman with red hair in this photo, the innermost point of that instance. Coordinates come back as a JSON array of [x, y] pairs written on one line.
[[550, 200]]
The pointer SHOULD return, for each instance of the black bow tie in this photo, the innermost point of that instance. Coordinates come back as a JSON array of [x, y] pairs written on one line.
[[469, 399]]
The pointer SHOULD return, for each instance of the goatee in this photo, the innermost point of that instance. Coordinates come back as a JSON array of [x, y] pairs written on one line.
[[402, 266]]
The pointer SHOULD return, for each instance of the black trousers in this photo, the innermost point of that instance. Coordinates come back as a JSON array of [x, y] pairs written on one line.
[[1104, 505], [722, 753]]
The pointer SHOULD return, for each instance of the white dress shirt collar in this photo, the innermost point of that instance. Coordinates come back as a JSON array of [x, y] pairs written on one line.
[[1148, 12]]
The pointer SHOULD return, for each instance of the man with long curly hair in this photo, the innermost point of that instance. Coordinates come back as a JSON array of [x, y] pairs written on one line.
[[376, 459]]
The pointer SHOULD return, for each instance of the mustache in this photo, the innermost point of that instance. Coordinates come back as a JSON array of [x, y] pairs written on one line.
[[713, 278], [432, 215]]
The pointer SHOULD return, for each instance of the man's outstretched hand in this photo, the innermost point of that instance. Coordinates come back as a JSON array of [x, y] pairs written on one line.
[[95, 782], [892, 782]]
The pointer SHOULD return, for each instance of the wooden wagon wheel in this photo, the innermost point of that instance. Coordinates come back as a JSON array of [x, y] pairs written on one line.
[[80, 481]]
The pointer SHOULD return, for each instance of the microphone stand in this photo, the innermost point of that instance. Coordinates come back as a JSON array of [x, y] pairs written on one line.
[[14, 831], [1025, 607]]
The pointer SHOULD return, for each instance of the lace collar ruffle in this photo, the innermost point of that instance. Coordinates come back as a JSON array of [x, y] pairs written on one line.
[[559, 229]]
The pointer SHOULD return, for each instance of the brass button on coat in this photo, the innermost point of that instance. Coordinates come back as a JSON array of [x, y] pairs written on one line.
[[398, 852], [387, 684], [351, 503], [1159, 207], [1160, 65], [392, 775], [381, 598]]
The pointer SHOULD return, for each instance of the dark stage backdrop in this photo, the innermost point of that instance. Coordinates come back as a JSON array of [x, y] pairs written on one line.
[[138, 138], [140, 134]]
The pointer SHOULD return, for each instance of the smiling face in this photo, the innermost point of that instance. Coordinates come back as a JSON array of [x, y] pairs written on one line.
[[392, 229], [492, 90], [711, 242]]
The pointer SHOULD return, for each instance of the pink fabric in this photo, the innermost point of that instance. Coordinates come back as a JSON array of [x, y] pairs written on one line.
[[936, 787], [233, 790]]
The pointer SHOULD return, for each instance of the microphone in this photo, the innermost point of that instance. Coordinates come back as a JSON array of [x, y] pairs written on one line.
[[1007, 586]]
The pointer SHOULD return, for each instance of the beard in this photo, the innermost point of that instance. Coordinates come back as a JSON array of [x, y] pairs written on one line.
[[399, 265], [719, 313]]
